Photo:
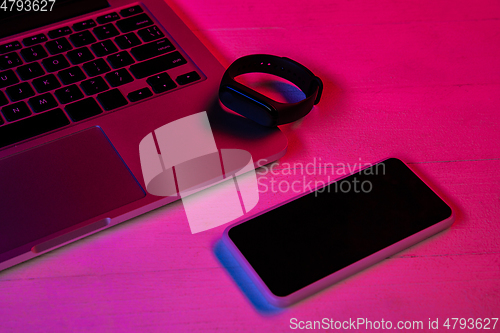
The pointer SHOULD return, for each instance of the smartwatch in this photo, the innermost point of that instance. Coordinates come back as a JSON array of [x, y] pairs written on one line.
[[259, 108]]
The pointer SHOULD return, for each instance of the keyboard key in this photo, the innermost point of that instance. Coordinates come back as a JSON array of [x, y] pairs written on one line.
[[10, 60], [80, 55], [32, 126], [112, 99], [104, 48], [12, 46], [119, 77], [187, 78], [83, 109], [121, 59], [151, 33], [42, 102], [134, 23], [128, 40], [59, 32], [55, 63], [94, 85], [37, 39], [71, 75], [107, 18], [96, 67], [16, 111], [84, 25], [158, 79], [131, 11], [161, 83], [82, 38], [30, 71], [46, 83], [156, 65], [19, 91], [152, 49], [3, 99], [33, 53], [106, 31], [58, 45], [137, 95], [8, 78], [68, 94]]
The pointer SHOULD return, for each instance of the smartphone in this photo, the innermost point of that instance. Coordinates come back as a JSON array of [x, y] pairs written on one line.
[[304, 245]]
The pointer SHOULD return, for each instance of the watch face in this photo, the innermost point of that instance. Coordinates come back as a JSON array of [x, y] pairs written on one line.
[[248, 106]]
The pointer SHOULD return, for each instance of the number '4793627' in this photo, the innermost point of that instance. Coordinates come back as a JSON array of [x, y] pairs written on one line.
[[471, 323], [27, 5]]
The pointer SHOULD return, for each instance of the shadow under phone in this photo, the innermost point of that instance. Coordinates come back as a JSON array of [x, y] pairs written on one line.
[[243, 280]]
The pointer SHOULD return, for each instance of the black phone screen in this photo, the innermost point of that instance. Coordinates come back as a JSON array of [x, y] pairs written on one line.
[[322, 232]]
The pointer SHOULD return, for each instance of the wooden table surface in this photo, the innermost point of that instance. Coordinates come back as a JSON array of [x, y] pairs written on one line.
[[417, 80]]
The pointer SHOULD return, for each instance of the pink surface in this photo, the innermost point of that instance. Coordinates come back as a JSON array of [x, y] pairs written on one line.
[[415, 80]]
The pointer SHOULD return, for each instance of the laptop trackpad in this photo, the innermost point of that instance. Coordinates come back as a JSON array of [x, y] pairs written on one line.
[[59, 184]]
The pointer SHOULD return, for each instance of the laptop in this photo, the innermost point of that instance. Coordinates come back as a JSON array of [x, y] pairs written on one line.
[[82, 82]]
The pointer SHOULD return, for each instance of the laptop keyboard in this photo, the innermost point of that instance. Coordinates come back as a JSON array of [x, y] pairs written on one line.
[[65, 75]]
